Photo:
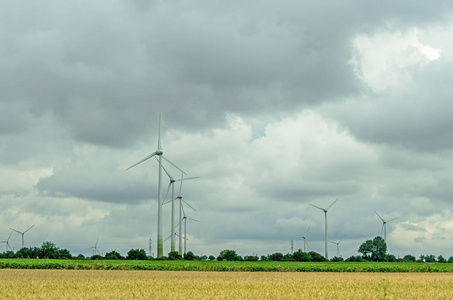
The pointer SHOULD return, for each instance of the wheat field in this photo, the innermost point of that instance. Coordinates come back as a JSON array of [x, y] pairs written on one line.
[[80, 284]]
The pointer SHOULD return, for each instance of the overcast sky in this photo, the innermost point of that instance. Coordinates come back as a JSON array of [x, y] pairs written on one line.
[[275, 105]]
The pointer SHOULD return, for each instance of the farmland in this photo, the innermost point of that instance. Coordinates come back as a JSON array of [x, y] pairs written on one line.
[[96, 284], [225, 266]]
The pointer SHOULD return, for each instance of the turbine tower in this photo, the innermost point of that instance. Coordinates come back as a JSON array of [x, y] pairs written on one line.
[[159, 153], [304, 237], [338, 245], [22, 233], [7, 242], [384, 225], [172, 185], [325, 216], [181, 211]]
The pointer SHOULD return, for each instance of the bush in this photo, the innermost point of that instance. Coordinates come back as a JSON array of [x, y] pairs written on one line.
[[211, 257], [337, 259], [390, 258], [353, 258], [251, 258], [96, 257], [450, 260]]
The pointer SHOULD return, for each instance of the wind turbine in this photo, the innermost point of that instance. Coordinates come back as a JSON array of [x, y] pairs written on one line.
[[185, 228], [7, 242], [159, 153], [325, 216], [181, 211], [384, 225], [338, 245], [304, 237], [95, 248], [22, 233], [172, 185]]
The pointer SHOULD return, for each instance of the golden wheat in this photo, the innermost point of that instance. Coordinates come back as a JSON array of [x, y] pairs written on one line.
[[70, 284]]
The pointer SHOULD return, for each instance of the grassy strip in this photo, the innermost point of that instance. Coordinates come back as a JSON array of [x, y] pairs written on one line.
[[223, 266]]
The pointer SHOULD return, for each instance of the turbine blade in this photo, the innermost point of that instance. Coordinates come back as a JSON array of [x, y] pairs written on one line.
[[9, 236], [318, 207], [96, 243], [180, 185], [307, 231], [159, 145], [168, 174], [382, 228], [379, 216], [342, 238], [173, 164], [168, 189], [16, 230], [332, 242], [308, 245], [146, 158], [332, 204], [392, 220], [188, 178], [29, 228], [189, 205], [167, 238], [193, 220]]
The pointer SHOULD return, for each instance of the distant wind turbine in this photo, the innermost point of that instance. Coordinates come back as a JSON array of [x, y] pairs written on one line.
[[384, 225], [181, 211], [22, 233], [338, 245], [172, 185], [185, 218], [7, 242], [325, 216], [304, 237], [159, 153], [95, 248]]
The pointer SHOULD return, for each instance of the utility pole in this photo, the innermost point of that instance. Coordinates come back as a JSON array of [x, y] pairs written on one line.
[[150, 247]]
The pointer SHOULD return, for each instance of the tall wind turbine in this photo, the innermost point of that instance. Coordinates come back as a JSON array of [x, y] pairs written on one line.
[[159, 153], [338, 245], [384, 225], [172, 185], [181, 211], [325, 216], [7, 242], [185, 229], [304, 237], [22, 233]]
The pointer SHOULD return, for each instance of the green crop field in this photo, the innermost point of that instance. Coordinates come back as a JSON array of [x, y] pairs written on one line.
[[224, 266]]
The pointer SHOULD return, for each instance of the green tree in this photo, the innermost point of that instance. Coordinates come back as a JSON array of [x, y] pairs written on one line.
[[228, 255], [64, 254], [211, 257], [49, 250], [174, 255], [276, 256], [300, 255], [409, 258], [429, 258], [316, 257], [441, 259], [337, 259], [136, 254], [366, 248], [113, 255], [450, 260], [189, 256]]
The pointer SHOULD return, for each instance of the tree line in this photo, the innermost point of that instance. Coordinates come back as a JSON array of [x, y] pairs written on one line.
[[371, 250]]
